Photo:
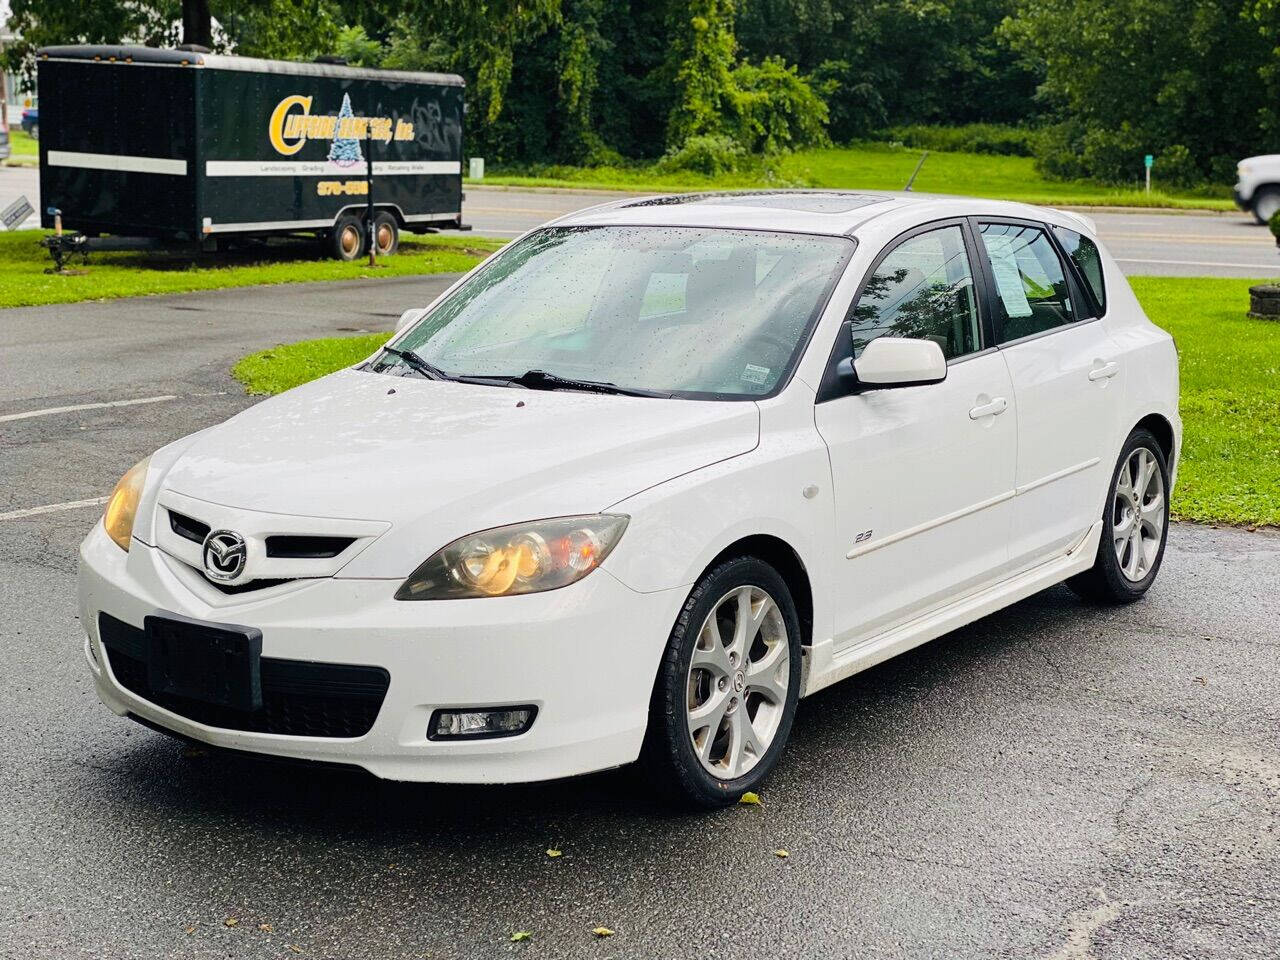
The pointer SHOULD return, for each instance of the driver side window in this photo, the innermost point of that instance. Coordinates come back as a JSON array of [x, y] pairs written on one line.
[[924, 290]]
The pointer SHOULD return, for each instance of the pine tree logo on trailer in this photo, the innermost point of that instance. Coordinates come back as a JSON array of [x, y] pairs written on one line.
[[292, 124]]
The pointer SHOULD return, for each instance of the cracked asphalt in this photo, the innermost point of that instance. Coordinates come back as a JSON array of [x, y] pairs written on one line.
[[1054, 781]]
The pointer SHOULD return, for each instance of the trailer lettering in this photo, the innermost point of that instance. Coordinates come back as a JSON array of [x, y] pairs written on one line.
[[292, 124], [275, 128]]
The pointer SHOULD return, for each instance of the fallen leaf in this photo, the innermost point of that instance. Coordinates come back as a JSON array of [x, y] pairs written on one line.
[[783, 854], [191, 929], [295, 948], [265, 927], [521, 935], [230, 922], [750, 799], [553, 853], [602, 932]]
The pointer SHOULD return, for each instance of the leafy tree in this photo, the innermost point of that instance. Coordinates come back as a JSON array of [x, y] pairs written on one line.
[[703, 49], [1192, 78], [269, 28]]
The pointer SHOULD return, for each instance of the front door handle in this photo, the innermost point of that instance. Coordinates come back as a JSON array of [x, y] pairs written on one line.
[[1104, 371], [993, 409]]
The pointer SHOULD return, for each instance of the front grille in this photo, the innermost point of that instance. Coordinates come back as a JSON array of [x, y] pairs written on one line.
[[307, 548], [300, 698], [188, 527]]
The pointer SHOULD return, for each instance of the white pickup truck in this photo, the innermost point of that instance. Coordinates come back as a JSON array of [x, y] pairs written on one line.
[[1258, 186]]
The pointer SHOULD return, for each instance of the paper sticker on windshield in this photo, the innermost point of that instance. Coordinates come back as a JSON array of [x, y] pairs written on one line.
[[1004, 264], [754, 374]]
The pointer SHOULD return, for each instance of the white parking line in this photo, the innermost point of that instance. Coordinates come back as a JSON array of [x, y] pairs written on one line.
[[48, 411], [53, 508], [1201, 263]]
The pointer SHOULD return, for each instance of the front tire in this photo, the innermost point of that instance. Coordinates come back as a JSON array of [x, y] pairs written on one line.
[[1266, 204], [727, 687], [1135, 525]]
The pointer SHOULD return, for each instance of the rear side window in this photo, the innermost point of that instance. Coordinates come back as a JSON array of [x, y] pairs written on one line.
[[1084, 252], [1031, 282]]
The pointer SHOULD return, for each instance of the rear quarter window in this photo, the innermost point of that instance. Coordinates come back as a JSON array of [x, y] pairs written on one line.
[[1084, 254]]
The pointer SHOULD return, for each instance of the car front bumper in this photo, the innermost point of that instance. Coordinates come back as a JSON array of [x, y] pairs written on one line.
[[586, 656]]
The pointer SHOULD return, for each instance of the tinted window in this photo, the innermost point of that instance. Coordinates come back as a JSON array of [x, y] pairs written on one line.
[[923, 289], [1084, 252], [1030, 282]]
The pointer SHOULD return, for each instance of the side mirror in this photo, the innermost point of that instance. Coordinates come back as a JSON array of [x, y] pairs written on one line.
[[898, 362], [410, 317]]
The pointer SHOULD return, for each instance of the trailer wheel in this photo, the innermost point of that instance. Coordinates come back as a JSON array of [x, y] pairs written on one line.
[[387, 233], [346, 239]]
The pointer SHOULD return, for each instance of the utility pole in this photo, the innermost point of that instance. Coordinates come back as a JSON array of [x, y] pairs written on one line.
[[368, 179]]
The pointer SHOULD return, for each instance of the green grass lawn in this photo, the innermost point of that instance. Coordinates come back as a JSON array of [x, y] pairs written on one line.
[[22, 149], [23, 281], [1230, 468], [875, 166], [1230, 364]]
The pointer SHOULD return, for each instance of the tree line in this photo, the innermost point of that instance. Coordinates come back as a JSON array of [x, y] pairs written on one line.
[[1090, 85]]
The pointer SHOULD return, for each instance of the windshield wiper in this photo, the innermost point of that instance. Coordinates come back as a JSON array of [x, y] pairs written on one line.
[[428, 370], [541, 380]]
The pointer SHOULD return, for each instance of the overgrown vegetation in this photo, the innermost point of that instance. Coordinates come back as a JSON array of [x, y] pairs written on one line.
[[702, 165], [23, 281], [1230, 468], [1087, 87]]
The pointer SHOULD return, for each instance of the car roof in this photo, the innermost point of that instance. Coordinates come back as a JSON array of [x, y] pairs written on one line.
[[830, 212]]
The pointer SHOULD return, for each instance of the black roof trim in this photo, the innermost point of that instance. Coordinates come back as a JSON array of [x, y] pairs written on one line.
[[137, 54]]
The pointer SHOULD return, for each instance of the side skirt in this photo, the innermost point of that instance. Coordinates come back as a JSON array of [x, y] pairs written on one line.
[[823, 669]]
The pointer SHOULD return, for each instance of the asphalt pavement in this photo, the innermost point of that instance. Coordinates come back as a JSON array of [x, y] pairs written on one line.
[[1161, 244], [1055, 781]]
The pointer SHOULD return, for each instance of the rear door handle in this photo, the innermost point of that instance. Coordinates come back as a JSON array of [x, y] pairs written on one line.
[[993, 409], [1104, 371]]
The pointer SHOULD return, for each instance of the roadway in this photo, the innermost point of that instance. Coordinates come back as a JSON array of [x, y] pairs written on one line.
[[1155, 243], [1054, 781]]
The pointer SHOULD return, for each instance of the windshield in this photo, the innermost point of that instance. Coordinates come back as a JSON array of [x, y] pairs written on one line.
[[674, 310]]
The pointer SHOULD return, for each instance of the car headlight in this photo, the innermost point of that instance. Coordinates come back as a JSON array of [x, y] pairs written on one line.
[[122, 505], [522, 558]]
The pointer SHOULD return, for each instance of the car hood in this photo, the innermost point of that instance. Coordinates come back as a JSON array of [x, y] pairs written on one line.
[[439, 460]]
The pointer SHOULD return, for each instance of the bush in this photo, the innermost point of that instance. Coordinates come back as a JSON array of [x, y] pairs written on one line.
[[1113, 156], [777, 110], [1174, 166], [710, 154], [1059, 149], [994, 138]]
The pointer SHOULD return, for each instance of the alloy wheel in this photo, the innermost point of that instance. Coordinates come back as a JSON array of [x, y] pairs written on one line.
[[738, 680], [1138, 514]]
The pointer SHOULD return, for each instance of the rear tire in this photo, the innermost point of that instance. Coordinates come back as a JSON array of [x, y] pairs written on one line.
[[387, 232], [1135, 525], [1266, 204], [347, 240], [727, 687]]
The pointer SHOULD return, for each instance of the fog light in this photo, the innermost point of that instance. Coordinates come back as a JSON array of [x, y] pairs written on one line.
[[480, 724]]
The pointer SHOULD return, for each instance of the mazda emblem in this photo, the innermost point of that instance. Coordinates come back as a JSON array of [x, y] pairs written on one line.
[[224, 555]]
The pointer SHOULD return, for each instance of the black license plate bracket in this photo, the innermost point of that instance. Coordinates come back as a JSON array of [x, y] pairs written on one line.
[[209, 662]]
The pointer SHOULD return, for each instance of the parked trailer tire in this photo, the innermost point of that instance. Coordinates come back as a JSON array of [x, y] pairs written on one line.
[[346, 240], [386, 231]]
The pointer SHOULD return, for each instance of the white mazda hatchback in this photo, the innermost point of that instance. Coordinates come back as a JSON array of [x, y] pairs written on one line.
[[641, 481]]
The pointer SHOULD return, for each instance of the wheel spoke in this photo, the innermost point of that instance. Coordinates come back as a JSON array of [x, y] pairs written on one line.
[[762, 675], [709, 653], [1124, 482]]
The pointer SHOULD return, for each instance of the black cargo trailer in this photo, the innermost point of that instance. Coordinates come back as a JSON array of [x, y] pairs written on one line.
[[185, 147]]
